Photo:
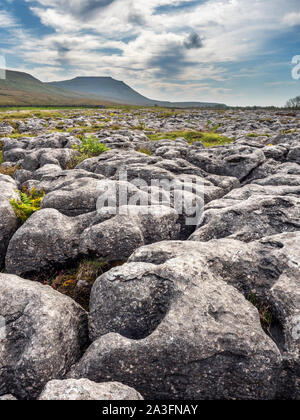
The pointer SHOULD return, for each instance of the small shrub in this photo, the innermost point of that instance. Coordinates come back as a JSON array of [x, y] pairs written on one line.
[[1, 157], [28, 203], [90, 147]]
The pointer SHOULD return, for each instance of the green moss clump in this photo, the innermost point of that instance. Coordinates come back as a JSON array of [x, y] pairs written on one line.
[[28, 203]]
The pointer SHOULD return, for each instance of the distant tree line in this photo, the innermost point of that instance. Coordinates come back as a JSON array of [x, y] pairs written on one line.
[[293, 103]]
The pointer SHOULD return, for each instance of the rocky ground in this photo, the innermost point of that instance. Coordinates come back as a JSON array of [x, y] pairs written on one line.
[[138, 304]]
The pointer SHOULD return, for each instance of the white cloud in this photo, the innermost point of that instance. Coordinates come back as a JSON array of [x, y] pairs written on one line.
[[132, 41], [292, 19], [6, 20]]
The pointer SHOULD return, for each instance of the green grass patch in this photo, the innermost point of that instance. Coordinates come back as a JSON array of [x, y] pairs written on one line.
[[28, 203], [145, 151], [258, 135], [19, 136], [288, 131], [208, 139], [32, 113], [56, 130], [87, 129]]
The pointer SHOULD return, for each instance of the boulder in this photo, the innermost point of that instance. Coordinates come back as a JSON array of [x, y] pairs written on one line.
[[86, 390], [119, 236], [266, 272], [37, 158], [249, 219], [113, 240], [8, 220], [8, 398], [199, 337], [80, 194], [230, 160], [44, 333], [45, 241]]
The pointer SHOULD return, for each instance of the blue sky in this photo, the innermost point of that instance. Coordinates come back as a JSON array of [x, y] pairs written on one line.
[[234, 51]]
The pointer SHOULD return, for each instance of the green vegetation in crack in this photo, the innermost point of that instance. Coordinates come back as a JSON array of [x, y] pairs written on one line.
[[77, 281], [89, 147], [28, 203], [258, 135], [145, 151], [209, 139], [265, 313]]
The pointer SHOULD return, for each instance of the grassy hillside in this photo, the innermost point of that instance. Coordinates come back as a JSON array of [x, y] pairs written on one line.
[[23, 89], [105, 88]]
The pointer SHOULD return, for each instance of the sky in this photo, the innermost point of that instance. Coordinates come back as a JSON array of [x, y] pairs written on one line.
[[237, 52]]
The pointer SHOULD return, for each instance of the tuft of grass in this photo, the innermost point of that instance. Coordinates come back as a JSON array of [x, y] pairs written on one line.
[[258, 135], [86, 271], [1, 157], [9, 171], [141, 127], [56, 130], [19, 136], [168, 114], [264, 310], [145, 151], [209, 139], [28, 203], [288, 131], [114, 127]]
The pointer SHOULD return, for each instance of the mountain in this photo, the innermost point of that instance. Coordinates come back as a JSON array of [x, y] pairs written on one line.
[[110, 89], [23, 89], [105, 88]]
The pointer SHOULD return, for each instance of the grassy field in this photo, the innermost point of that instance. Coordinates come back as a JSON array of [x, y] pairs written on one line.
[[109, 119]]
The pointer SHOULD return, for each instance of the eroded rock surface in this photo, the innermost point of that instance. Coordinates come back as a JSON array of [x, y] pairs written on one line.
[[177, 331], [86, 390], [203, 299], [42, 334]]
